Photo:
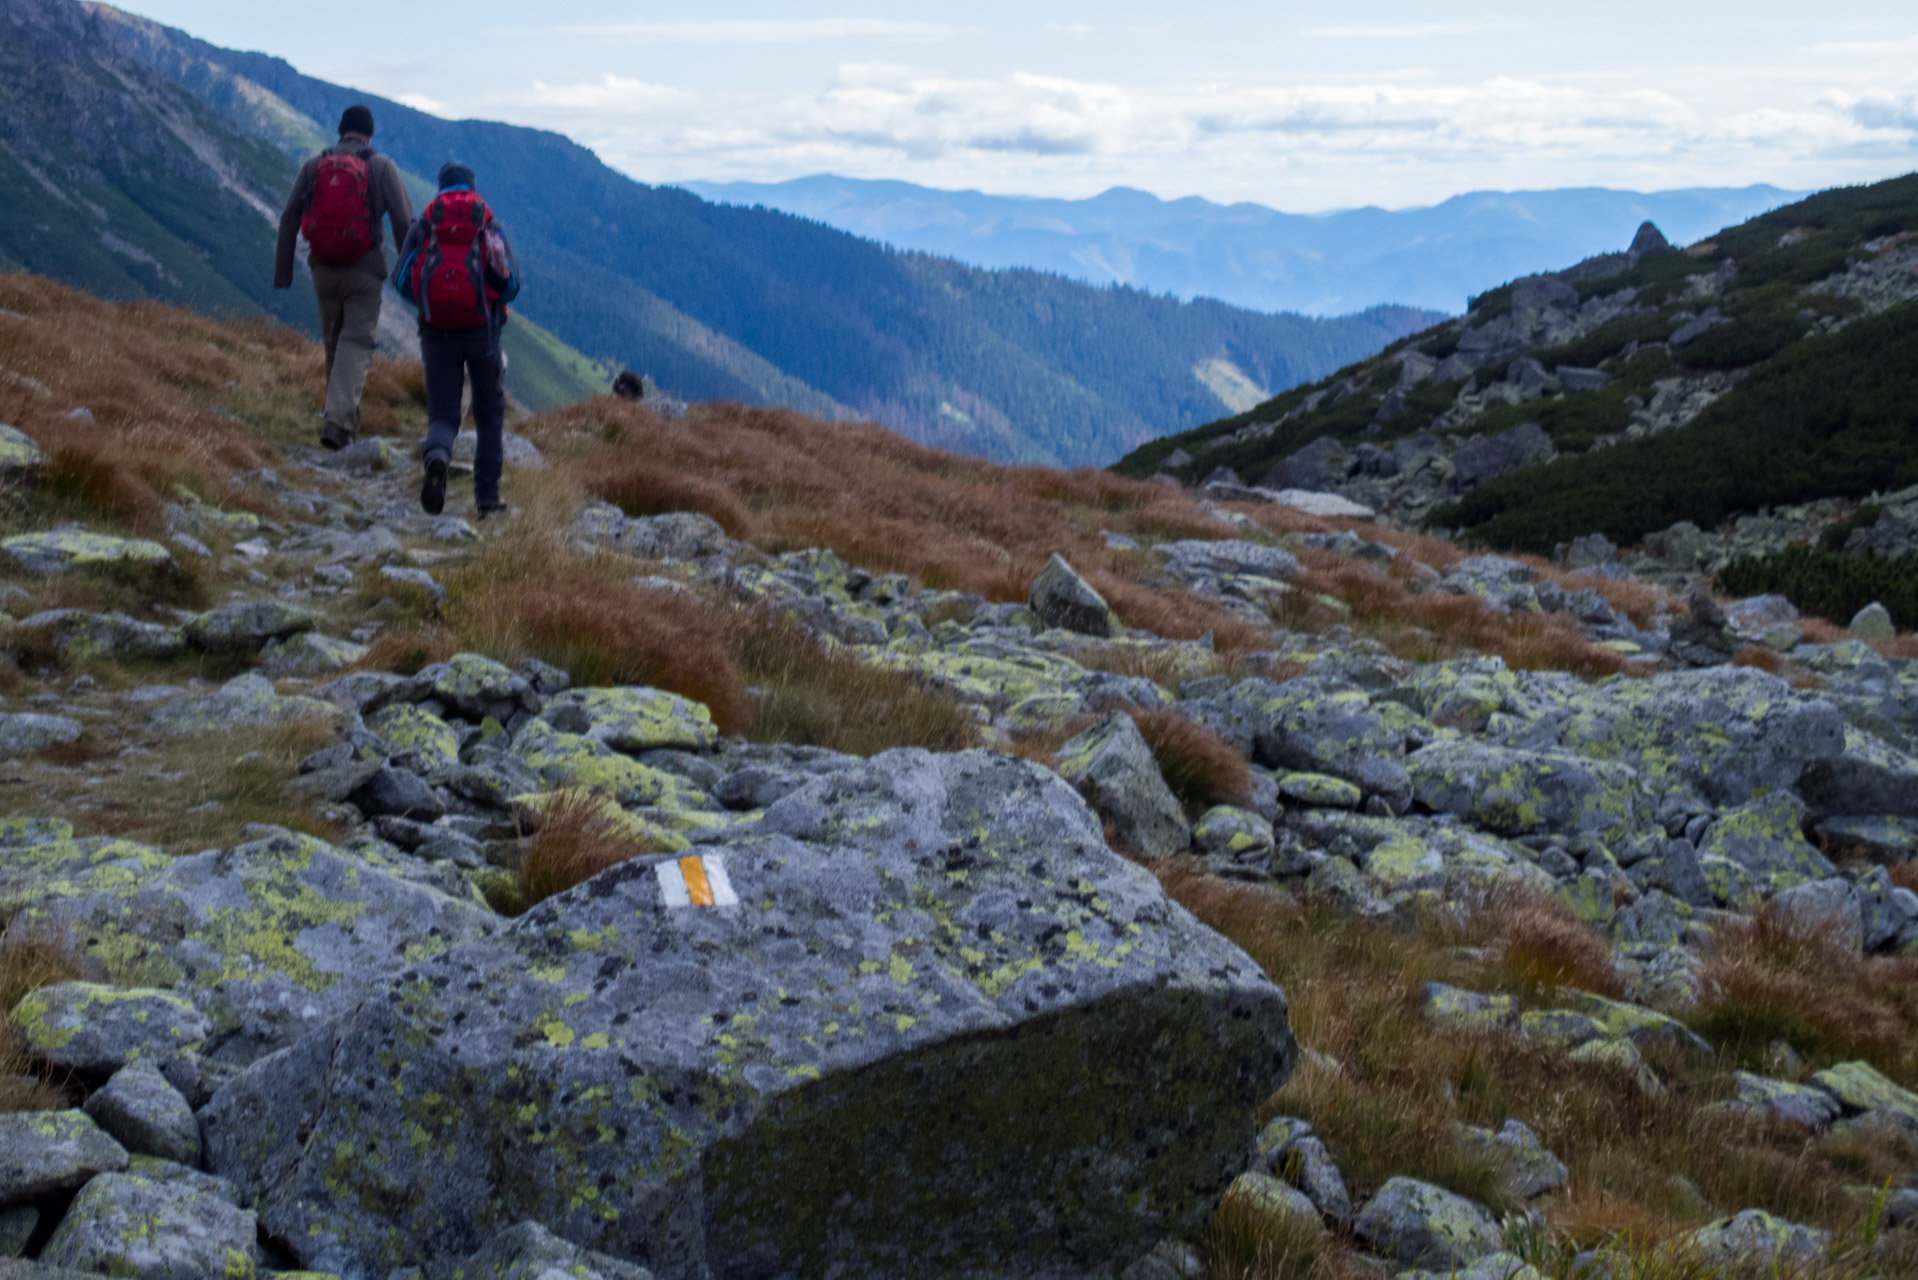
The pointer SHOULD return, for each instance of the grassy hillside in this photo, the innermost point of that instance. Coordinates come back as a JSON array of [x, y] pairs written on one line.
[[722, 302], [1807, 308]]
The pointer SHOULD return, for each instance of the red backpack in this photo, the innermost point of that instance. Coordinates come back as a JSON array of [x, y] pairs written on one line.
[[339, 219], [449, 270]]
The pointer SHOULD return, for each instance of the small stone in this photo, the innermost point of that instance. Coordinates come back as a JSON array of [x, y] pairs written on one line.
[[43, 1153], [1318, 790], [418, 579], [1859, 1086], [146, 1115], [633, 720], [531, 1252], [1310, 1165], [1783, 1103], [371, 454], [1529, 1169], [59, 550], [399, 793], [18, 451], [243, 627], [1235, 834], [309, 654], [1269, 1202], [1456, 1009], [95, 1029], [1756, 1238], [1873, 622], [1113, 766], [1063, 599], [1418, 1224], [25, 732]]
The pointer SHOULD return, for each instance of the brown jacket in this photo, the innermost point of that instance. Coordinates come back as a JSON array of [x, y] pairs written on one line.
[[385, 192]]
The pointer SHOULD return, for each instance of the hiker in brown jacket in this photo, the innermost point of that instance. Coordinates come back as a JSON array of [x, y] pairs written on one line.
[[337, 203]]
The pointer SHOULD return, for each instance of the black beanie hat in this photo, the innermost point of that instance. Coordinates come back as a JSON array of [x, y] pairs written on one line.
[[453, 174], [356, 119]]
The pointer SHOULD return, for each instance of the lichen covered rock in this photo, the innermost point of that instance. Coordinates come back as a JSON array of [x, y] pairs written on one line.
[[1417, 1224], [59, 550], [246, 625], [145, 1114], [1063, 599], [95, 1029], [1757, 1239], [1514, 792], [1112, 764], [267, 938], [928, 1024], [634, 719], [123, 1225], [245, 702], [43, 1153]]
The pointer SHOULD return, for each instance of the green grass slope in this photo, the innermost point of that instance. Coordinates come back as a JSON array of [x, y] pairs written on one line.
[[544, 373]]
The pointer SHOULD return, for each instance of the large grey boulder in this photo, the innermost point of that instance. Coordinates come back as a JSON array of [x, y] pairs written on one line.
[[1730, 733], [1417, 1224], [1113, 765], [1318, 726], [1526, 1167], [1767, 838], [247, 701], [44, 1153], [1483, 458], [1868, 776], [1063, 599], [267, 939], [1829, 907], [1199, 558], [1324, 464], [1514, 792], [124, 1225], [930, 1025], [78, 636], [96, 1029]]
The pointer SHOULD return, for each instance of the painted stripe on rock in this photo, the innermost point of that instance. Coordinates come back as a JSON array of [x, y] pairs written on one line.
[[696, 881]]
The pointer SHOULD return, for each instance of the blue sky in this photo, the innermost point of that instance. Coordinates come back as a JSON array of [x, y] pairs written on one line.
[[1297, 106]]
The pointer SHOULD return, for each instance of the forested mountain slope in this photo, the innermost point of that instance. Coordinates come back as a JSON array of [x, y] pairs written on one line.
[[722, 302], [1662, 389]]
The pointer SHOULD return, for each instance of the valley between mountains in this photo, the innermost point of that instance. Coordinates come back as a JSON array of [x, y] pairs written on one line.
[[777, 848]]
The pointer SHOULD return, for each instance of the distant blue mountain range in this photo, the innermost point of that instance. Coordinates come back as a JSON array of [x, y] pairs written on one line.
[[1252, 256]]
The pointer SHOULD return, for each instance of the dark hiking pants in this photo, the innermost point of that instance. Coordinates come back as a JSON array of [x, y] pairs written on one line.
[[452, 356]]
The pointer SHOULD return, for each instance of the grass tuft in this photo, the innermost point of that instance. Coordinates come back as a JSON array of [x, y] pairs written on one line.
[[32, 955], [576, 834], [1201, 768], [649, 489]]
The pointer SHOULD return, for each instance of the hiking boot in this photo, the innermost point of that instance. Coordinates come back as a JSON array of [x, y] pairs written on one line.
[[488, 510], [335, 437], [433, 487]]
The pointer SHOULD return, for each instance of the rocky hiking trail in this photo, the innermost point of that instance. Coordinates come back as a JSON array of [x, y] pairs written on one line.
[[775, 849]]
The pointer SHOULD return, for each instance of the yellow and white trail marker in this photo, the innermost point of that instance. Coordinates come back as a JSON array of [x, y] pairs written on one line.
[[697, 880]]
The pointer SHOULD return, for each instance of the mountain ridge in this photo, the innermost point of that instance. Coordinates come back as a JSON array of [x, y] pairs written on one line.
[[1252, 255], [718, 302]]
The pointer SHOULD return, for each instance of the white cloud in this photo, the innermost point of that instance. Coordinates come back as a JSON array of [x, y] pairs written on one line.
[[1414, 30], [769, 30], [1398, 142], [420, 102]]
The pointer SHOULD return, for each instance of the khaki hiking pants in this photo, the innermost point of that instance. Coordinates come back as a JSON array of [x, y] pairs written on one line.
[[349, 319]]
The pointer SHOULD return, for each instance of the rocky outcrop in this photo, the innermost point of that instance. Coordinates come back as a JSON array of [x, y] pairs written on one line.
[[924, 993]]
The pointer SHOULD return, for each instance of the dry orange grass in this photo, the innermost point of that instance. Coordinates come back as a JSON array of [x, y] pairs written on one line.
[[646, 489], [1422, 624], [1779, 978], [151, 377], [1541, 945], [1399, 1085], [1201, 768], [575, 835], [31, 956]]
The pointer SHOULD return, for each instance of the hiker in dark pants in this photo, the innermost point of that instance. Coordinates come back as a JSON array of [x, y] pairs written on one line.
[[458, 269], [337, 203]]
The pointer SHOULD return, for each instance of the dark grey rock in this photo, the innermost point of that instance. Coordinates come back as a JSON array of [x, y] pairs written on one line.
[[145, 1114], [721, 1077], [43, 1153], [1063, 599], [122, 1225], [399, 793]]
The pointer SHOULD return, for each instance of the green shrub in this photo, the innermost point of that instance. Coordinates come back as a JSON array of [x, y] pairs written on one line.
[[1828, 585]]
